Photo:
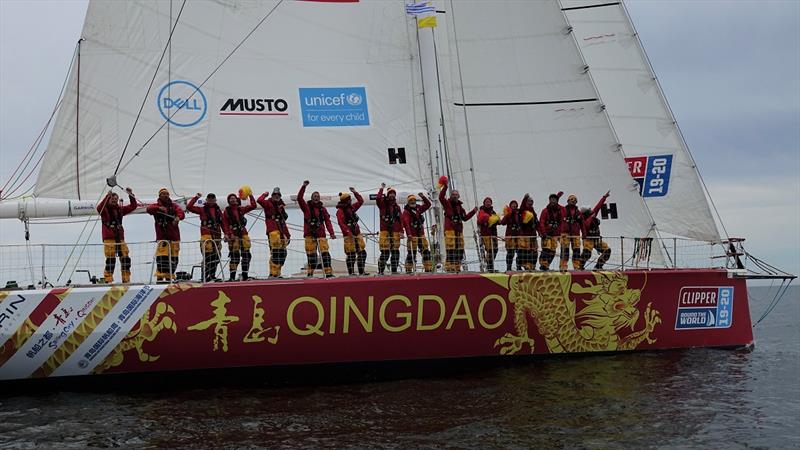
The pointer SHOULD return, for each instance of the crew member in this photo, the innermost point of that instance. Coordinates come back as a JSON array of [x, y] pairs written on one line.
[[550, 224], [315, 214], [234, 223], [111, 213], [454, 218], [391, 229], [210, 233], [354, 244], [414, 225], [167, 214], [528, 246], [592, 239], [571, 234], [512, 220], [488, 221], [277, 231]]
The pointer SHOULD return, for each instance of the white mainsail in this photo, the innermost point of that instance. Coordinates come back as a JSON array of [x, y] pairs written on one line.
[[321, 90], [657, 154], [520, 102]]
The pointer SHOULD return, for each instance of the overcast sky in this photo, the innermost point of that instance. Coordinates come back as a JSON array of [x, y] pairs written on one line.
[[730, 69]]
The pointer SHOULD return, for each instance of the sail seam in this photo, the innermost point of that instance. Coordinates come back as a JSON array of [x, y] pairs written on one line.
[[547, 102], [599, 5]]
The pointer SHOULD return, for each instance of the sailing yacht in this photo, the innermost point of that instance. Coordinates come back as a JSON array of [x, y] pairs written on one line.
[[502, 98]]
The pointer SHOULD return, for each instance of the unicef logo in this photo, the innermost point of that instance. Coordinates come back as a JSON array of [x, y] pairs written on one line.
[[354, 99], [182, 104]]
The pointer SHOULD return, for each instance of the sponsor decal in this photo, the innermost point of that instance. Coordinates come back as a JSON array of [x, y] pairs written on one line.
[[108, 334], [701, 307], [182, 103], [334, 107], [652, 174], [15, 309], [254, 107]]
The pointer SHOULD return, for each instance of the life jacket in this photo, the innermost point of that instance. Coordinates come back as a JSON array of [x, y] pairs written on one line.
[[516, 220], [417, 220], [313, 220], [164, 219], [212, 223], [554, 218], [593, 230], [391, 214], [574, 217], [237, 222], [350, 218], [280, 215], [114, 220], [459, 215]]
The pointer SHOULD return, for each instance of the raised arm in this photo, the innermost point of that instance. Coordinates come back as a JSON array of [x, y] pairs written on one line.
[[359, 200], [247, 208], [102, 205], [191, 204], [302, 201], [600, 204], [471, 213], [426, 203], [131, 206]]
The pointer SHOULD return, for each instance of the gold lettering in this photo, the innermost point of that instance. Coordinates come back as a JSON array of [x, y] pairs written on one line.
[[406, 316], [220, 320], [503, 311], [332, 326], [309, 329], [257, 330], [421, 310], [366, 322], [463, 303]]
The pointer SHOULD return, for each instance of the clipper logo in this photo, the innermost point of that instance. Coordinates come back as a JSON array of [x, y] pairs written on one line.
[[254, 107], [182, 104], [702, 307], [652, 174], [334, 107]]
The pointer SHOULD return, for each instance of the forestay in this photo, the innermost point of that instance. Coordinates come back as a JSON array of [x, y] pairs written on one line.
[[320, 91], [656, 151]]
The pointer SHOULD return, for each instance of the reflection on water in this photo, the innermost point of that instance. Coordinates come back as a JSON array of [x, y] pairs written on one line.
[[698, 397]]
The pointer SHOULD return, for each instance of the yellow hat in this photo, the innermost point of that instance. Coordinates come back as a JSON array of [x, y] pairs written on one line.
[[411, 197], [344, 196], [163, 191], [572, 197]]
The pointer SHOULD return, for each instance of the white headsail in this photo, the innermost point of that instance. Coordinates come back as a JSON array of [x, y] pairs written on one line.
[[519, 100], [321, 91], [655, 150]]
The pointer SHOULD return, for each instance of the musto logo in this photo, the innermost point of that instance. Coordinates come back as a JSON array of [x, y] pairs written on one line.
[[334, 107], [254, 107], [652, 174], [704, 307], [182, 104]]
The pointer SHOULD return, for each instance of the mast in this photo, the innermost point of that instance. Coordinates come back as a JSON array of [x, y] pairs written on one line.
[[434, 117], [77, 121]]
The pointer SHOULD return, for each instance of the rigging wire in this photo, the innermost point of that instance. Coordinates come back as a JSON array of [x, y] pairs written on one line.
[[197, 89], [37, 142], [152, 80]]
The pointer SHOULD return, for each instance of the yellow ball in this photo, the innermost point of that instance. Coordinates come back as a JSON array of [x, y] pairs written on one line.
[[527, 216], [245, 192]]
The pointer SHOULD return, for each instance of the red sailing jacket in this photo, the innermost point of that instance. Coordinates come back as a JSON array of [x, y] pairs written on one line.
[[413, 220], [512, 221], [454, 214], [210, 218], [551, 220], [166, 228], [347, 217], [234, 222], [527, 229], [315, 214], [573, 221], [483, 222], [587, 221], [275, 215], [111, 217], [390, 213]]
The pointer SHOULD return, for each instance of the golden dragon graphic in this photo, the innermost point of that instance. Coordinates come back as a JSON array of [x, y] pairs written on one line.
[[598, 326]]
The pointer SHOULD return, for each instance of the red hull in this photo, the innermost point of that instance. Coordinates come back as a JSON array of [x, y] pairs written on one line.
[[287, 322]]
